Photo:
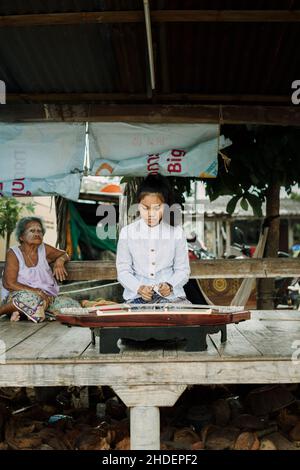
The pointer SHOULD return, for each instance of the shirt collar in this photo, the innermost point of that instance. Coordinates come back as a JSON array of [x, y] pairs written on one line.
[[150, 230]]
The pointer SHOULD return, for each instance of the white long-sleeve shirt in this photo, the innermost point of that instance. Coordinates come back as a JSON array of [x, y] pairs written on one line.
[[151, 255]]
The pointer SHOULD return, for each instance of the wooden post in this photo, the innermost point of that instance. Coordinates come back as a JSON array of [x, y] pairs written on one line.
[[266, 287], [214, 239], [144, 428], [144, 402], [290, 234], [228, 237], [219, 239]]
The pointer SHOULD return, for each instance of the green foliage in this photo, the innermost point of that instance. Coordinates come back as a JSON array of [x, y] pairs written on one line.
[[260, 156], [10, 212], [295, 196]]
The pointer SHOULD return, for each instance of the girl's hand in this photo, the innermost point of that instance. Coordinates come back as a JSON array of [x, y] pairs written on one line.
[[146, 292], [164, 289], [59, 270]]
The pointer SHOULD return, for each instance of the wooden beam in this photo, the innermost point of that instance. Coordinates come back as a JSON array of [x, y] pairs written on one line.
[[226, 114], [142, 97], [114, 372], [219, 268], [245, 268], [225, 16], [101, 17], [157, 16], [211, 269]]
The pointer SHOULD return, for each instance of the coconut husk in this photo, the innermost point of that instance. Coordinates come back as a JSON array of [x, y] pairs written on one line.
[[248, 422], [286, 421], [185, 436], [221, 411], [120, 430], [294, 433], [267, 444], [92, 441], [264, 400], [124, 444], [221, 438], [11, 393], [247, 441], [199, 445]]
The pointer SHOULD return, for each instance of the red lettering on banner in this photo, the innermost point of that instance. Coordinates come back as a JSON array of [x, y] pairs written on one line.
[[17, 186], [17, 191], [178, 153], [175, 161], [153, 166], [174, 168]]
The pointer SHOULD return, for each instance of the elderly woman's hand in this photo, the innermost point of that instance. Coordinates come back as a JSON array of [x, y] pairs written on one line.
[[59, 269]]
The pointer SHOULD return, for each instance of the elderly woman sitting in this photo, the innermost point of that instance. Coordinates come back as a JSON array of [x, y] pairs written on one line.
[[29, 284]]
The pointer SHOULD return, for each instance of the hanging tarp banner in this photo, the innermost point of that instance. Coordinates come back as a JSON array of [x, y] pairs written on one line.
[[67, 186], [120, 149], [40, 150]]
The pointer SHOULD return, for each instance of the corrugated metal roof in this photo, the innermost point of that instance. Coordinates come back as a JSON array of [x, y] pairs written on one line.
[[205, 58]]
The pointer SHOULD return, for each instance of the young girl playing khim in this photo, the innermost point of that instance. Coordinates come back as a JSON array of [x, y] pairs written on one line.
[[152, 255]]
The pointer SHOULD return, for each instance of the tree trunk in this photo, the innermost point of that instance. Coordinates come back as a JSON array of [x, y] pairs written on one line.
[[7, 241], [266, 287]]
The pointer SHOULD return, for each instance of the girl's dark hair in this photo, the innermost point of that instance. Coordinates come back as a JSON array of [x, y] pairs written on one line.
[[156, 184]]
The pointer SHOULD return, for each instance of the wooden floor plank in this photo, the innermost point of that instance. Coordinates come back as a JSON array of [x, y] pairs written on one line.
[[237, 345], [247, 340], [69, 343], [34, 345], [277, 327], [268, 343], [277, 315], [15, 333]]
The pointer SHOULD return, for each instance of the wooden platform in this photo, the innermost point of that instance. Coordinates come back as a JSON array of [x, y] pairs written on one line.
[[257, 351]]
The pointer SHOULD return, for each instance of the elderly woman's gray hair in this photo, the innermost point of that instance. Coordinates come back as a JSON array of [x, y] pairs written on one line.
[[22, 223]]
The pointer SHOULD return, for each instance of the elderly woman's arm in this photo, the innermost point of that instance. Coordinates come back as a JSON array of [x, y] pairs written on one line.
[[11, 275], [58, 257]]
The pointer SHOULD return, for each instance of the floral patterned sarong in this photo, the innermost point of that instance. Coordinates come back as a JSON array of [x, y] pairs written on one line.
[[34, 307]]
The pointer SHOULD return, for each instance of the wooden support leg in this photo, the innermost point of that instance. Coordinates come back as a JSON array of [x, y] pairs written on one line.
[[93, 338], [108, 338], [195, 339], [223, 329], [144, 402], [144, 428]]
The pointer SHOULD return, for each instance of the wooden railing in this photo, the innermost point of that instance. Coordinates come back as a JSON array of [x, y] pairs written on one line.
[[202, 269]]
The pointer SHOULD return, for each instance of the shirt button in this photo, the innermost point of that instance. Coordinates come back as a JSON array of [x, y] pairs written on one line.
[[151, 274], [153, 263], [152, 249]]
